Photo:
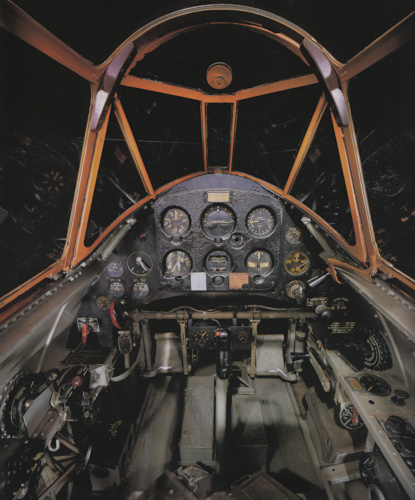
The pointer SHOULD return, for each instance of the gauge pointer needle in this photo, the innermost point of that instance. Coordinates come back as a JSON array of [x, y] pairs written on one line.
[[140, 261]]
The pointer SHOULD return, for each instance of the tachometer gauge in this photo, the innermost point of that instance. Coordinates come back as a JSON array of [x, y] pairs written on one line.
[[116, 289], [140, 290], [293, 235], [218, 221], [259, 263], [218, 263], [260, 222], [296, 263], [177, 263], [103, 303], [175, 222], [115, 270], [139, 263]]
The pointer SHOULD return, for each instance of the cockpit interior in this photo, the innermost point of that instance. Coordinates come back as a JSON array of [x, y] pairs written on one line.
[[207, 235]]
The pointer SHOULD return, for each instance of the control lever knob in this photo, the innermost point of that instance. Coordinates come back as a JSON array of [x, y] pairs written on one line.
[[223, 354], [325, 313], [299, 294]]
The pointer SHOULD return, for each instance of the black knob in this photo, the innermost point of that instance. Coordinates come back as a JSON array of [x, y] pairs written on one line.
[[218, 280], [325, 313], [399, 397]]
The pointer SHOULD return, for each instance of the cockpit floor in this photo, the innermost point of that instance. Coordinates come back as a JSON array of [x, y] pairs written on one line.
[[290, 457]]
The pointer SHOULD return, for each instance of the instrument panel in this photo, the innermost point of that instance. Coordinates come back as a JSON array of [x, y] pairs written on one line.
[[199, 237]]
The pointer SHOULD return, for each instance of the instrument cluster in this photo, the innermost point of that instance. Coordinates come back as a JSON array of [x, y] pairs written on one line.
[[208, 239]]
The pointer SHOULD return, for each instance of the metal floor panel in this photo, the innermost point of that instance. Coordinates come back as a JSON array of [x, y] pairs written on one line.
[[290, 459], [153, 451]]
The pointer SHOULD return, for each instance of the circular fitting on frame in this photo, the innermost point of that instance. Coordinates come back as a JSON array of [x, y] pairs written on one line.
[[219, 75]]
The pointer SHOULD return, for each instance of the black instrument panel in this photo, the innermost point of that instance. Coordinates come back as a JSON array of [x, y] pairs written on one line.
[[199, 237]]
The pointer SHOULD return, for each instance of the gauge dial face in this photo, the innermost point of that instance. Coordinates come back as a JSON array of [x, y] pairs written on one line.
[[243, 336], [116, 289], [175, 222], [259, 263], [296, 263], [218, 263], [178, 263], [140, 290], [260, 222], [103, 303], [293, 235], [139, 263], [218, 221], [115, 270], [202, 337], [375, 385], [349, 418], [293, 286]]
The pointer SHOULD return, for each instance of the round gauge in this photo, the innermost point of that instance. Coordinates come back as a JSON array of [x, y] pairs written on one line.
[[293, 235], [178, 263], [296, 263], [218, 221], [139, 263], [349, 418], [103, 303], [140, 290], [243, 336], [175, 222], [51, 181], [259, 263], [218, 263], [115, 270], [260, 222], [395, 425], [202, 337], [375, 385], [116, 289], [293, 286]]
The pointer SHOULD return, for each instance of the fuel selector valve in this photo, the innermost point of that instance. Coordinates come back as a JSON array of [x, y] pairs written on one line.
[[223, 354]]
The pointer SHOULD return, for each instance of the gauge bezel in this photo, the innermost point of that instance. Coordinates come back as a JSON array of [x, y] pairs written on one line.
[[302, 272], [210, 209], [267, 233], [290, 228], [385, 386], [144, 284], [174, 276], [139, 274], [112, 283], [163, 217], [227, 272], [109, 299], [271, 268], [117, 275]]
